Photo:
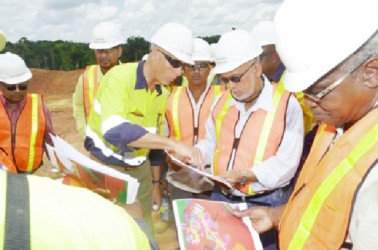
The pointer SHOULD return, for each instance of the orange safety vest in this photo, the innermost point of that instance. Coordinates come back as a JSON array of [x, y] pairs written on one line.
[[24, 142], [259, 140], [318, 212], [90, 86], [180, 113]]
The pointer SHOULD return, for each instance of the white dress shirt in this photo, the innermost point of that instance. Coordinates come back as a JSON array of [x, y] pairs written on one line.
[[278, 170], [363, 225]]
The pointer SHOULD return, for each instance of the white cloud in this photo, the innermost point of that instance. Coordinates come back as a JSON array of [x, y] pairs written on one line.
[[74, 20]]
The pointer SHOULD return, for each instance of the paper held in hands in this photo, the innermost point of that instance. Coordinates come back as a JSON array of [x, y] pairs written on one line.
[[85, 172], [217, 180], [206, 224]]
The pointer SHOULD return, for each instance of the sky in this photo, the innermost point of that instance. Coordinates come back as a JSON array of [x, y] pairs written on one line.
[[73, 20]]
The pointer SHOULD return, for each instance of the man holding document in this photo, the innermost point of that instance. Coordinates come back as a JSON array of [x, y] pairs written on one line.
[[334, 61], [254, 134]]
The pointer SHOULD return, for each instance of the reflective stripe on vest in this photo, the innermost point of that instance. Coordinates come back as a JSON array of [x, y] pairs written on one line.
[[180, 114], [130, 158], [28, 136], [324, 194], [34, 131], [258, 128], [308, 117], [90, 85]]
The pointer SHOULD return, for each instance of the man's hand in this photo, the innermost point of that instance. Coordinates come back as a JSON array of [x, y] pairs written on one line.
[[239, 178], [262, 218], [188, 154], [171, 164]]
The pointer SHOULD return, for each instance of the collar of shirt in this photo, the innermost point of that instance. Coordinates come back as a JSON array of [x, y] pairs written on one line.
[[141, 82], [264, 101], [202, 97], [278, 74]]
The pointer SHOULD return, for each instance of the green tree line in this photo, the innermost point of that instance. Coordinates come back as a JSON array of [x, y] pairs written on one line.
[[66, 55]]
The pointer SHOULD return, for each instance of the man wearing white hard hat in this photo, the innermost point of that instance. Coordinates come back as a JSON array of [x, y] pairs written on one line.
[[330, 50], [187, 110], [127, 119], [252, 127], [25, 120], [106, 43], [274, 69]]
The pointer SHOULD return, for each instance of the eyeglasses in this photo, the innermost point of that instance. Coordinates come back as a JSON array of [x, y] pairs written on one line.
[[197, 66], [318, 97], [236, 79], [173, 62], [21, 87]]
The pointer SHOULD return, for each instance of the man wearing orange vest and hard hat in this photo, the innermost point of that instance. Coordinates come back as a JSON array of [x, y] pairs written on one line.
[[25, 120], [187, 110], [255, 130], [106, 42], [127, 119], [329, 48]]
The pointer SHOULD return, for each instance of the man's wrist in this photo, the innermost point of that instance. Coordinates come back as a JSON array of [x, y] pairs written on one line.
[[157, 181]]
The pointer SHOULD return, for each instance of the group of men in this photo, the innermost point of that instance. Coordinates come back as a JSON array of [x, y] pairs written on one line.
[[252, 132]]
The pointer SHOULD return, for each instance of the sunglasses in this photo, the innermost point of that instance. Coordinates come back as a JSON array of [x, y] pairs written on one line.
[[14, 87], [173, 62], [106, 51], [196, 66], [318, 97], [236, 79]]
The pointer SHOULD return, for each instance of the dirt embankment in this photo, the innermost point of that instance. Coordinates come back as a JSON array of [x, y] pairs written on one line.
[[57, 88]]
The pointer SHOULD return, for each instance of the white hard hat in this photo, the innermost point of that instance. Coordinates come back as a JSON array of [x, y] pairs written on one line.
[[176, 39], [213, 48], [202, 50], [265, 33], [3, 40], [314, 36], [234, 49], [13, 69], [105, 35]]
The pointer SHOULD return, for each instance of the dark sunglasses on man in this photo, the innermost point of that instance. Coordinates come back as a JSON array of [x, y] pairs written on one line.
[[13, 87], [197, 66], [236, 79], [173, 62]]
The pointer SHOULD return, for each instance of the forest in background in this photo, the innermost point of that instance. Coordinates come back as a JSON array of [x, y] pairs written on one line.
[[65, 55]]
